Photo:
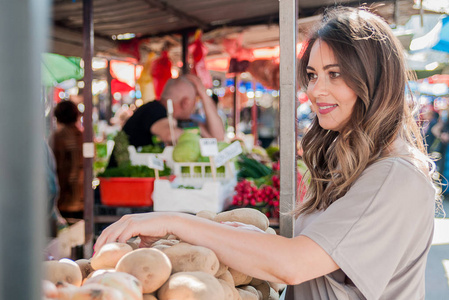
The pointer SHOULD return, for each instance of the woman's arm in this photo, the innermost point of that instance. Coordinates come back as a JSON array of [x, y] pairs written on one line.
[[261, 255]]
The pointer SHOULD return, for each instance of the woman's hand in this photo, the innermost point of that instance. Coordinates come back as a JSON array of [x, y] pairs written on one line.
[[148, 226]]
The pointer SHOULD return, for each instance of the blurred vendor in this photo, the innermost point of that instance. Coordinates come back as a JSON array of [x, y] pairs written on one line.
[[151, 120], [67, 145]]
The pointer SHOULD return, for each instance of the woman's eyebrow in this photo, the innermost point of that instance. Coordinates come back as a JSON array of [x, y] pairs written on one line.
[[325, 67], [330, 66]]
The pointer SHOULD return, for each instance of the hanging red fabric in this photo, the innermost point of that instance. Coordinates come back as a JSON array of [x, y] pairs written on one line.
[[161, 73], [198, 51]]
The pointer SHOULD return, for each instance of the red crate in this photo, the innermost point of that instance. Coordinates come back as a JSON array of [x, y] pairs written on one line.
[[126, 191]]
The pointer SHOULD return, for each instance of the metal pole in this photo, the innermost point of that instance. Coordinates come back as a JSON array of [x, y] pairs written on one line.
[[254, 116], [110, 98], [23, 200], [185, 53], [135, 83], [288, 29], [88, 145], [236, 105]]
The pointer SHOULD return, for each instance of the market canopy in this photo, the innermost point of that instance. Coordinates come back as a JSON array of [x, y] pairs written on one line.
[[152, 23], [436, 39], [57, 68]]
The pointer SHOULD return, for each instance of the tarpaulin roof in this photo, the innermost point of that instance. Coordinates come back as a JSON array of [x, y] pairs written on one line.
[[164, 18]]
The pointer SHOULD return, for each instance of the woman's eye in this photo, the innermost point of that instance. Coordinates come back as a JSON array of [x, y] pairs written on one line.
[[311, 76], [334, 74]]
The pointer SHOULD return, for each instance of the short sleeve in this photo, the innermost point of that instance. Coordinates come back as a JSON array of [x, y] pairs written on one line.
[[386, 215], [153, 114]]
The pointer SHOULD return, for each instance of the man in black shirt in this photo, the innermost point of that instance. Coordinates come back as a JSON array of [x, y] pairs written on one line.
[[151, 118]]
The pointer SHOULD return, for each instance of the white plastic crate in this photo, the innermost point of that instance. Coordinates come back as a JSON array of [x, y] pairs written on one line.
[[202, 170], [207, 195], [145, 158]]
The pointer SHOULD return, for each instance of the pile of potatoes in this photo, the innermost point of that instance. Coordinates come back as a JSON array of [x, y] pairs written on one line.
[[169, 270]]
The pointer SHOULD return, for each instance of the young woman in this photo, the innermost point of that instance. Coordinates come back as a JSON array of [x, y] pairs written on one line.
[[366, 225]]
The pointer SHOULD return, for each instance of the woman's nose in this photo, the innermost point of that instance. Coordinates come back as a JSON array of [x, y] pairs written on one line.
[[319, 87]]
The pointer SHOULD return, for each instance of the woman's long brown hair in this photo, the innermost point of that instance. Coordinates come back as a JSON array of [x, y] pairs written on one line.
[[372, 64]]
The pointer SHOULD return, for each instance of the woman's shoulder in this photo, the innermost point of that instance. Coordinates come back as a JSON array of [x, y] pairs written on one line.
[[397, 169]]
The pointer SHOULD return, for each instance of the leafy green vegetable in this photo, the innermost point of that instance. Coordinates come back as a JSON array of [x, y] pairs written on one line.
[[121, 143], [133, 171], [151, 149], [251, 168], [187, 187]]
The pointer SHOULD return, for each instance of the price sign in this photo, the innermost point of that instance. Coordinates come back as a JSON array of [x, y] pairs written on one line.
[[228, 153], [208, 147], [156, 163]]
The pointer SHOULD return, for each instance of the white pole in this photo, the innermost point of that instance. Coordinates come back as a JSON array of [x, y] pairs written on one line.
[[23, 204], [288, 29]]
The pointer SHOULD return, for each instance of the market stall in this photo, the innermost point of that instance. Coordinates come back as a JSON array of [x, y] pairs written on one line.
[[26, 219]]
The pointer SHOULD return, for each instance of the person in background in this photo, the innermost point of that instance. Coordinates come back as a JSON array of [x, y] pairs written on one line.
[[220, 112], [365, 226], [150, 120], [55, 221], [430, 118], [67, 145]]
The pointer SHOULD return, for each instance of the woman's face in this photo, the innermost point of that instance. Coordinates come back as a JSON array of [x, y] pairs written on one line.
[[332, 99]]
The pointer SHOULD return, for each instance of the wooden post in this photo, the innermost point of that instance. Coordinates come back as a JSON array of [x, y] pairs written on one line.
[[88, 145]]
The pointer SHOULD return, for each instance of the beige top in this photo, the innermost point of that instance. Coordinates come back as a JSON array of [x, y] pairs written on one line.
[[379, 235]]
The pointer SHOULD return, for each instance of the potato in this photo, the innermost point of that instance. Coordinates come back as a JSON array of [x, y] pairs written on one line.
[[134, 242], [49, 289], [230, 291], [167, 242], [164, 243], [221, 270], [278, 287], [191, 286], [273, 295], [108, 256], [151, 266], [244, 215], [248, 293], [263, 287], [206, 214], [239, 277], [172, 237], [85, 267], [271, 231], [185, 258], [66, 290], [95, 291], [226, 276], [128, 285], [98, 272], [65, 270]]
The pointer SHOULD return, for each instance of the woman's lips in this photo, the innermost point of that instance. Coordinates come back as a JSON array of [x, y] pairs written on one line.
[[326, 108]]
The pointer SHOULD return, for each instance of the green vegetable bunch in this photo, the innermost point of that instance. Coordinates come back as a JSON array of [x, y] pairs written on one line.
[[133, 171], [251, 168], [121, 143], [151, 149]]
